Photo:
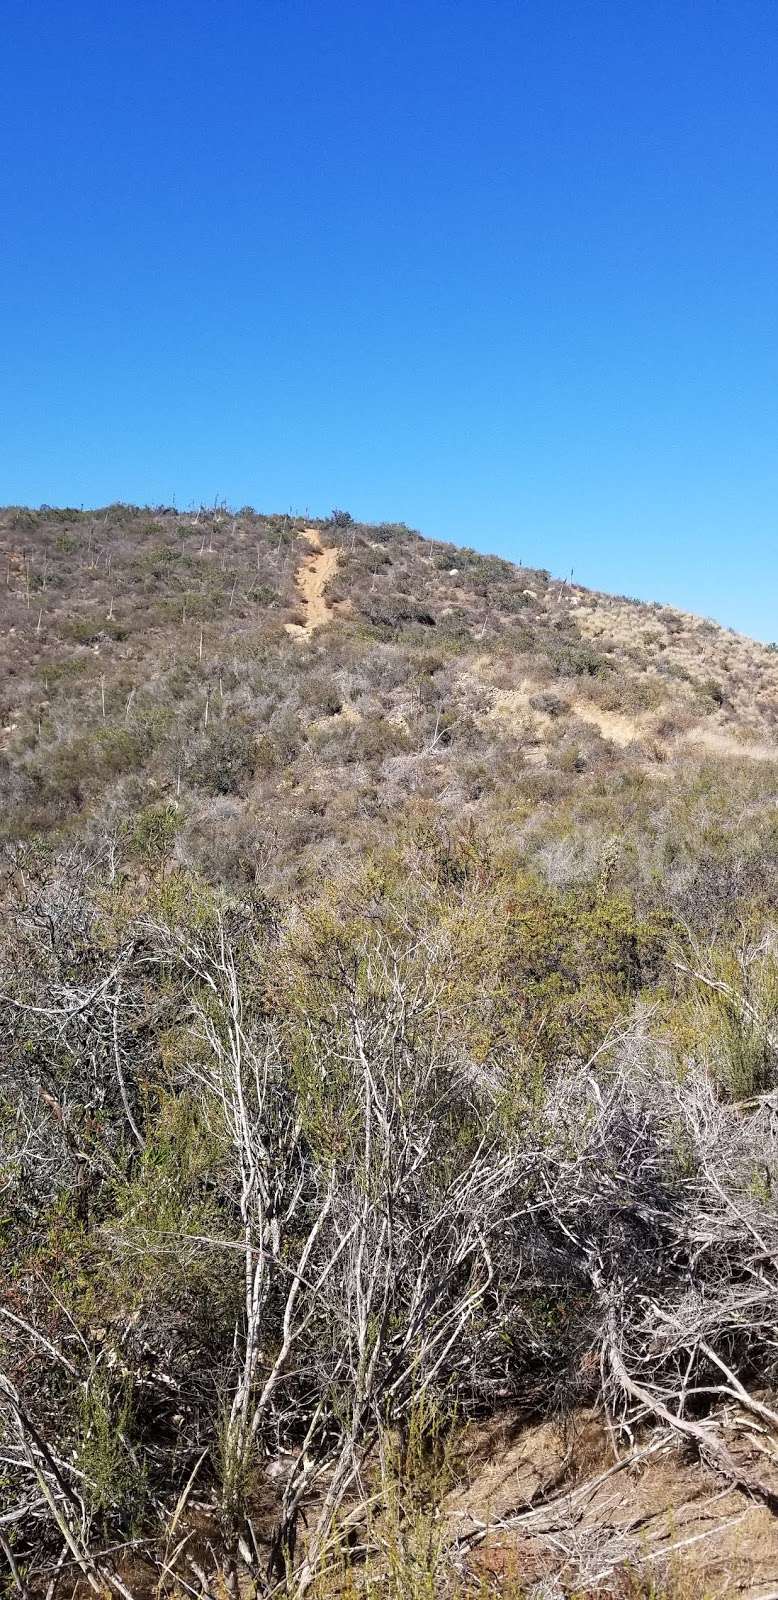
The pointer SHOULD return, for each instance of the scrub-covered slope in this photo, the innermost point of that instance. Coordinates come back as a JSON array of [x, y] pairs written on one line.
[[171, 670], [389, 993]]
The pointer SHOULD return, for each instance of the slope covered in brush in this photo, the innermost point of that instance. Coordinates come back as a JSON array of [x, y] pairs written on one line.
[[154, 689], [389, 983]]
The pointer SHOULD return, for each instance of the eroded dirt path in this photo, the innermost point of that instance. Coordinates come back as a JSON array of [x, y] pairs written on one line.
[[312, 578]]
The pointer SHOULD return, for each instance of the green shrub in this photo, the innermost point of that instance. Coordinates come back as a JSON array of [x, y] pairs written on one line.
[[226, 759], [114, 1479], [151, 833]]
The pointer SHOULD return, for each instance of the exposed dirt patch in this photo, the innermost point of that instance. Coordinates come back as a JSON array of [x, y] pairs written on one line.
[[722, 743], [312, 578], [543, 1501], [615, 726], [515, 707]]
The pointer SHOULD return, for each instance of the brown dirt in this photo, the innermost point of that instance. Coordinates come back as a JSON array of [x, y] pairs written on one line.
[[549, 1504], [313, 575], [720, 742], [663, 1512], [513, 705], [615, 726]]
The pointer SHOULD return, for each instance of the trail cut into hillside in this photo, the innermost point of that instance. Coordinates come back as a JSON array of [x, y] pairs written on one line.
[[312, 578]]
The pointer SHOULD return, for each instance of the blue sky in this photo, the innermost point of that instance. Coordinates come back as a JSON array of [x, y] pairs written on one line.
[[506, 270]]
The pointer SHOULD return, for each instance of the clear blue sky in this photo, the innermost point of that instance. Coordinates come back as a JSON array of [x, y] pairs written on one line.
[[506, 270]]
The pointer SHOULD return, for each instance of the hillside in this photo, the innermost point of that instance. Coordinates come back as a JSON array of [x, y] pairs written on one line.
[[389, 982], [154, 661]]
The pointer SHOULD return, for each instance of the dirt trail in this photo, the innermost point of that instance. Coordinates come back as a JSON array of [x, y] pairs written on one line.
[[721, 742], [312, 578]]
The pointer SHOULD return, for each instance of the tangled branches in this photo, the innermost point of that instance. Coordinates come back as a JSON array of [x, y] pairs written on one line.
[[259, 1208]]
